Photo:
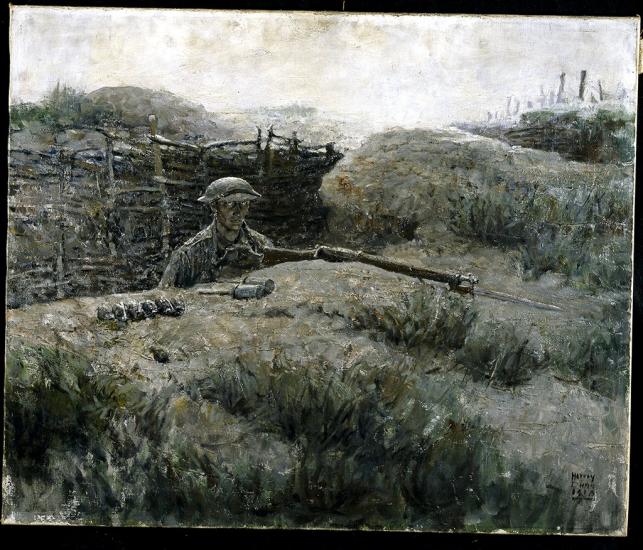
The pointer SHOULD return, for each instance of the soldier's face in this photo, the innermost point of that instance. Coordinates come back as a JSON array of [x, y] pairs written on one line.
[[231, 214]]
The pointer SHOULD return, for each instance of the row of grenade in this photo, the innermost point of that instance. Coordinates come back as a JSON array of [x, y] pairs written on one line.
[[137, 311]]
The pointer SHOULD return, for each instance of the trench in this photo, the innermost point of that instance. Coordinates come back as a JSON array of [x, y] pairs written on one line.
[[103, 213]]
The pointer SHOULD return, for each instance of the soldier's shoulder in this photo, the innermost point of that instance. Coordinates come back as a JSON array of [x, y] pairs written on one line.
[[200, 237], [258, 237]]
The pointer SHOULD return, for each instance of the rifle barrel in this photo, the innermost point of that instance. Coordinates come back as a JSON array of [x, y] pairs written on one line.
[[346, 255]]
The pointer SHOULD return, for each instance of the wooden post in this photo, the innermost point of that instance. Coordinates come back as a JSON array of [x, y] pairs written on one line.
[[65, 175], [158, 162], [268, 152], [158, 171], [260, 154], [542, 98], [166, 228], [204, 169], [258, 139], [111, 188], [295, 142], [330, 149], [109, 155], [581, 88], [561, 88]]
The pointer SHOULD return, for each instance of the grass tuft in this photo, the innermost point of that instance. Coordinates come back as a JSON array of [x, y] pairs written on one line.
[[499, 354]]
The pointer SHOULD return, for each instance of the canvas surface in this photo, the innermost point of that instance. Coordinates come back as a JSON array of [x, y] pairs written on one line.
[[455, 356]]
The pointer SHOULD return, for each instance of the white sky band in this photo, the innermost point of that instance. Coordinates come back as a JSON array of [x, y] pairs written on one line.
[[393, 70]]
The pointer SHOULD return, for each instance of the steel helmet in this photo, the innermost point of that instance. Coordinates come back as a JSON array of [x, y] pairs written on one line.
[[230, 189]]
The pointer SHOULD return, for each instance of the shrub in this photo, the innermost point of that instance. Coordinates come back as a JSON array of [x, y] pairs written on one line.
[[356, 445], [499, 353], [54, 409], [598, 357], [427, 318], [599, 135], [492, 217], [371, 451], [583, 233], [64, 107], [98, 448]]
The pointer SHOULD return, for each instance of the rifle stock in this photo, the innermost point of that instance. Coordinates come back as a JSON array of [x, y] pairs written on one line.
[[276, 255]]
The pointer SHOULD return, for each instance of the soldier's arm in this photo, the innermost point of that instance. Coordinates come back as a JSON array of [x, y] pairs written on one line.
[[177, 270]]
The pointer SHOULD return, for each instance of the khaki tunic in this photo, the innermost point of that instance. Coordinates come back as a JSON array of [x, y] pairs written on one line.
[[202, 259]]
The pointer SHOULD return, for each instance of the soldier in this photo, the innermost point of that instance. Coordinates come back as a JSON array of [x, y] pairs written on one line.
[[227, 246]]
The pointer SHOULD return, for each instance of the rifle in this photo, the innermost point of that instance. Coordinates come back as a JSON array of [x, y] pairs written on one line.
[[458, 282]]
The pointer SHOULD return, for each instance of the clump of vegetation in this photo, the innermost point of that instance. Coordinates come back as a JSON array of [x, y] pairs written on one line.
[[582, 232], [116, 451], [594, 353], [499, 354], [60, 109], [492, 217], [426, 318], [64, 107], [598, 357], [602, 135], [359, 446], [284, 442], [371, 451]]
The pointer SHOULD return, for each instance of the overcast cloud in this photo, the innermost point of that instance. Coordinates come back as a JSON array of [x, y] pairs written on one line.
[[392, 69]]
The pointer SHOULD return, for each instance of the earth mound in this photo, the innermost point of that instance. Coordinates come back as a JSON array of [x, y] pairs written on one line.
[[343, 399]]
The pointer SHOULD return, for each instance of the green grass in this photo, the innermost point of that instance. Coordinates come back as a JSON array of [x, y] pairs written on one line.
[[593, 352], [64, 107], [582, 232], [599, 136], [598, 356], [499, 353], [427, 318], [111, 447], [365, 448], [288, 444]]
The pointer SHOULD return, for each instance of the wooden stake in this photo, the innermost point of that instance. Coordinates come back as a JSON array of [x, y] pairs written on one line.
[[581, 88], [158, 171], [158, 163], [561, 88]]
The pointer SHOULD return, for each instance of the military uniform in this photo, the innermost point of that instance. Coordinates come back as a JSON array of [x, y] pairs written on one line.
[[205, 257]]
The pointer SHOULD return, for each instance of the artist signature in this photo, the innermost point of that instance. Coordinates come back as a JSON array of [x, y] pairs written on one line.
[[583, 486]]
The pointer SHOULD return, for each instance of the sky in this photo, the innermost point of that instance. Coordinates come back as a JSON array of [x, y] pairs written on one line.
[[391, 70]]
